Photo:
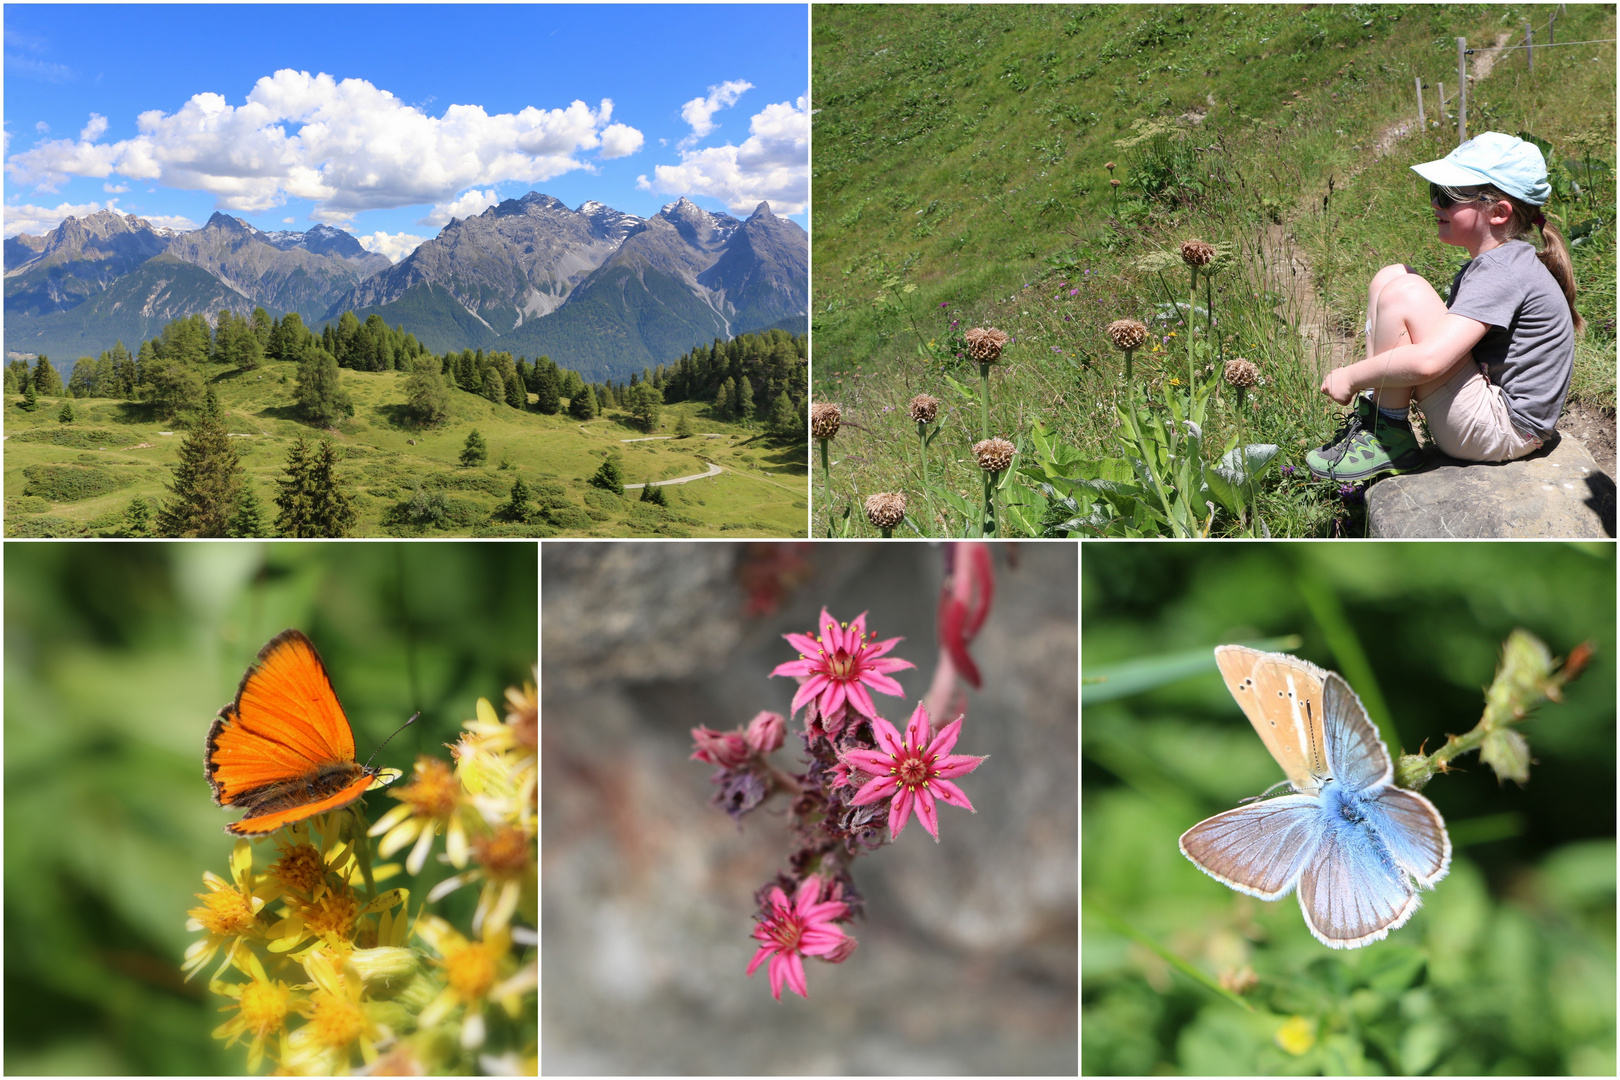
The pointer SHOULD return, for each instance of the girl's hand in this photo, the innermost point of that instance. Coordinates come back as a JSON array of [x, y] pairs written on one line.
[[1336, 385]]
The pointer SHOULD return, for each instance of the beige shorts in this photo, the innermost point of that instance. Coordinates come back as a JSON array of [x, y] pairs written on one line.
[[1469, 420]]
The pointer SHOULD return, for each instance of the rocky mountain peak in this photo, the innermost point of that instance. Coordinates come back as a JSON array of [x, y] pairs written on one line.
[[762, 212]]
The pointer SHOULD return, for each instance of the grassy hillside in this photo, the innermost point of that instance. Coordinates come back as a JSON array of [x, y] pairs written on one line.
[[960, 178], [78, 478]]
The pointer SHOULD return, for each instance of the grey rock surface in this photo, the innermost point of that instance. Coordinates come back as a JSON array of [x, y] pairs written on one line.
[[968, 956], [1557, 492]]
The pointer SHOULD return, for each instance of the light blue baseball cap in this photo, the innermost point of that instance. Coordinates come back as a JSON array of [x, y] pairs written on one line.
[[1506, 163]]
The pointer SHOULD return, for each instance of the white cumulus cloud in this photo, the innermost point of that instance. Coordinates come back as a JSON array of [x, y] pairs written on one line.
[[395, 246], [42, 127], [772, 164], [620, 140], [347, 146], [114, 189], [37, 220], [699, 112], [471, 204]]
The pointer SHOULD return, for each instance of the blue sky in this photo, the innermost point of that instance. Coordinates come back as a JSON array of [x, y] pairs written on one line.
[[386, 120]]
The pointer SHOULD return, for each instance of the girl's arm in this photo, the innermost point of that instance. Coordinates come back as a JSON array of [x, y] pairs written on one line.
[[1408, 365]]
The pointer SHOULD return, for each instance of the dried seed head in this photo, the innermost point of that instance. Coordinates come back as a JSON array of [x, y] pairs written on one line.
[[985, 344], [1113, 183], [1127, 333], [824, 420], [993, 455], [1241, 373], [886, 509], [924, 408], [1109, 166], [1196, 253]]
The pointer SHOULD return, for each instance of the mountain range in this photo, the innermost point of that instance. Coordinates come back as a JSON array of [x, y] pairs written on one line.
[[600, 291]]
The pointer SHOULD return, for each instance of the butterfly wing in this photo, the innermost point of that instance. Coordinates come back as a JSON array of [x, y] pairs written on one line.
[[283, 750], [1350, 893], [1282, 697], [1260, 848], [1413, 832], [1355, 754]]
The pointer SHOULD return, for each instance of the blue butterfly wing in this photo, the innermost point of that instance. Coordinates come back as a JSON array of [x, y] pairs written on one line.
[[1413, 833], [1352, 891], [1356, 755], [1258, 849]]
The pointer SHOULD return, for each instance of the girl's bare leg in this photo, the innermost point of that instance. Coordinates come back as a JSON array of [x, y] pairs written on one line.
[[1403, 309]]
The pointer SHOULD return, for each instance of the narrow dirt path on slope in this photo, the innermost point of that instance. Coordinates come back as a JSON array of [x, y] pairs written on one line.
[[714, 470], [1288, 273]]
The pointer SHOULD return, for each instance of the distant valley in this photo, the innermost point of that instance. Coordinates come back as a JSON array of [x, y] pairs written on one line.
[[600, 291]]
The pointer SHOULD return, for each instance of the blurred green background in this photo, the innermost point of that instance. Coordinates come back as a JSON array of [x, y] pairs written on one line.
[[1508, 968], [117, 657]]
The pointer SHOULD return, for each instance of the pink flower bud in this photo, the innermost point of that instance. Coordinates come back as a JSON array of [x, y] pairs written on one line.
[[766, 732], [842, 951], [724, 748]]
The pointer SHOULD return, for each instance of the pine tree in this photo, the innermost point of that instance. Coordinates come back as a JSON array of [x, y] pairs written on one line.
[[646, 405], [30, 400], [475, 452], [312, 502], [517, 507], [248, 520], [319, 393], [66, 415], [206, 482], [138, 517], [609, 477], [583, 405], [47, 380], [427, 398], [654, 493], [785, 422], [517, 395], [683, 426], [547, 398], [722, 400], [745, 399]]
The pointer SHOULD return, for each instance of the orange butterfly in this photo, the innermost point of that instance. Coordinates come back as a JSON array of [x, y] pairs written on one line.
[[283, 750]]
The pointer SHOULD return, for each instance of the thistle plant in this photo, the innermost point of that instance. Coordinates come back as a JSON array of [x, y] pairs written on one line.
[[323, 974], [860, 774], [924, 409], [984, 348], [1113, 187], [1127, 335], [886, 510], [1197, 255], [995, 458], [825, 419]]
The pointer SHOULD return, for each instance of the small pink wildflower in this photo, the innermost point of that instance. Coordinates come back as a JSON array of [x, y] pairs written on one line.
[[765, 732], [915, 772], [836, 664], [800, 928], [727, 749]]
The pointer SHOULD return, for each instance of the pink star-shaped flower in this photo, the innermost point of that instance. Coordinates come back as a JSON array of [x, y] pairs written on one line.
[[914, 772], [835, 666], [800, 928]]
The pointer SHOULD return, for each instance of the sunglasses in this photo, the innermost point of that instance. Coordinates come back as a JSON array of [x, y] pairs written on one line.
[[1447, 197]]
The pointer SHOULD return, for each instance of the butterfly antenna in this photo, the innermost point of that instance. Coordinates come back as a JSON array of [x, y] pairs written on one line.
[[397, 730]]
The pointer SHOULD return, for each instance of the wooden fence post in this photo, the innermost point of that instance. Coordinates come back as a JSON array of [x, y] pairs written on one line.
[[1529, 49], [1462, 91], [1417, 81]]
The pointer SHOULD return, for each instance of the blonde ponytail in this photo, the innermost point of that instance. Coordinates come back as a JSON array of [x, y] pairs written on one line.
[[1554, 253]]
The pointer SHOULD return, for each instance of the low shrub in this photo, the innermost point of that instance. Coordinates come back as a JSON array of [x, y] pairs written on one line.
[[71, 483]]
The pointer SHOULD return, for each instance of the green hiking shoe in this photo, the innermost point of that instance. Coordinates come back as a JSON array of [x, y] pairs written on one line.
[[1368, 445]]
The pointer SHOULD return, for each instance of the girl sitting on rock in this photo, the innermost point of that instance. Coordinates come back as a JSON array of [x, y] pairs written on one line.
[[1491, 366]]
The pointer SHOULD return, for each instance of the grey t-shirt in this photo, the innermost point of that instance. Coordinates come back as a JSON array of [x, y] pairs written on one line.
[[1529, 348]]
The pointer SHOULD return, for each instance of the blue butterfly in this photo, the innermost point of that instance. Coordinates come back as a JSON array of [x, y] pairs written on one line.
[[1355, 846]]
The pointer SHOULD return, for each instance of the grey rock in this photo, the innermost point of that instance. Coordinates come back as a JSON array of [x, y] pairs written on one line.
[[1557, 492]]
